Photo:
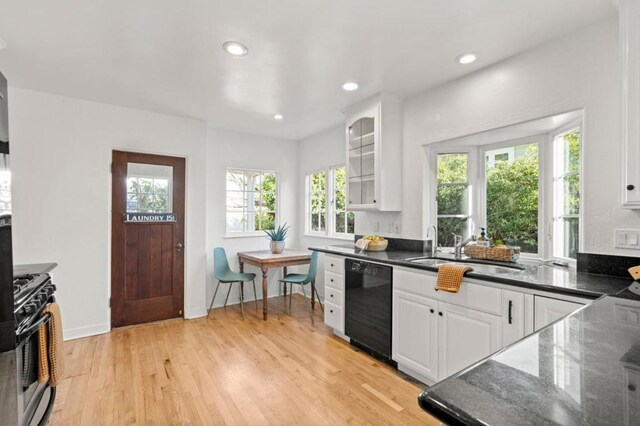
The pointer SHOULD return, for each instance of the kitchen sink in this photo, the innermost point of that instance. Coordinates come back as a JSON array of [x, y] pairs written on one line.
[[480, 266]]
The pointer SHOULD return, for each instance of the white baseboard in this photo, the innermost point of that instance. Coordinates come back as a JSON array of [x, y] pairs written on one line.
[[342, 336], [195, 312], [91, 330]]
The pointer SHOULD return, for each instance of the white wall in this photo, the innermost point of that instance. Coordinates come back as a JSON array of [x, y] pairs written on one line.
[[577, 71], [60, 156], [322, 150], [235, 150]]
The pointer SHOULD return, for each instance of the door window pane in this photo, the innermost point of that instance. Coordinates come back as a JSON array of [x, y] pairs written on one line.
[[512, 195], [149, 188]]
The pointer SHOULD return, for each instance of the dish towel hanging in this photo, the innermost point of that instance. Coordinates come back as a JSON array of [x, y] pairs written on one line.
[[450, 276], [51, 365]]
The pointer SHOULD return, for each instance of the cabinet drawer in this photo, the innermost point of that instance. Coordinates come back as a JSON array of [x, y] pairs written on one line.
[[331, 279], [333, 317], [334, 264], [333, 296], [420, 283], [475, 296]]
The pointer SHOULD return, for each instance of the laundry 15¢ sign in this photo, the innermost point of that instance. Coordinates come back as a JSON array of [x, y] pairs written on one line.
[[149, 217]]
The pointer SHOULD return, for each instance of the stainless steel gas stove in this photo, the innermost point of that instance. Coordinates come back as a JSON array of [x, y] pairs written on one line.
[[32, 293]]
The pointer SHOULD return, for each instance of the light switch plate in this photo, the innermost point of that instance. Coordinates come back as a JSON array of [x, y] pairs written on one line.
[[627, 238]]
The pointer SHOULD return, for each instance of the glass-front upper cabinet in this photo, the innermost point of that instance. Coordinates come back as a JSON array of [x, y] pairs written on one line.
[[362, 140], [374, 154]]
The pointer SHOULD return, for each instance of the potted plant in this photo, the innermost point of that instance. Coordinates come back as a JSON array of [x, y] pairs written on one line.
[[277, 237]]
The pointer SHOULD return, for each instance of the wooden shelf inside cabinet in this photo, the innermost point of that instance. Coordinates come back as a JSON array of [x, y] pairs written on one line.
[[363, 178]]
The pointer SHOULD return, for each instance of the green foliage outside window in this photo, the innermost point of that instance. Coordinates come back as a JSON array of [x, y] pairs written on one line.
[[511, 195], [343, 221], [265, 215], [146, 195], [512, 199], [452, 197]]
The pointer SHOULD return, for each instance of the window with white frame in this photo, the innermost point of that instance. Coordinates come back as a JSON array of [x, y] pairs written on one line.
[[566, 193], [318, 202], [506, 192], [511, 194], [452, 197], [326, 204], [252, 201]]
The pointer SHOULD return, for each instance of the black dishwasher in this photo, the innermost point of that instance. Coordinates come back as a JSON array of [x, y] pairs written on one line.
[[368, 307]]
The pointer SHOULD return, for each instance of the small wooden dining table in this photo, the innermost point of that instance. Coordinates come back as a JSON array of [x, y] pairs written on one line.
[[264, 260]]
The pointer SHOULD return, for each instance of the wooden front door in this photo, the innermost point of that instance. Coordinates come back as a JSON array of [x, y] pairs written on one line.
[[147, 238]]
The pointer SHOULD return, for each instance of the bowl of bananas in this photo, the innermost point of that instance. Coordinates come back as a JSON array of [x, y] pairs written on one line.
[[376, 243]]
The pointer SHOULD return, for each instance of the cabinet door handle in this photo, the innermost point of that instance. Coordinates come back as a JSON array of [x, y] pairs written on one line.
[[630, 187], [331, 279], [440, 313], [510, 311], [332, 265], [431, 310], [631, 388], [331, 310], [331, 296]]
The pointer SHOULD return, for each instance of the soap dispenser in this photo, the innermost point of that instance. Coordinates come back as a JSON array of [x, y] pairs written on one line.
[[482, 239]]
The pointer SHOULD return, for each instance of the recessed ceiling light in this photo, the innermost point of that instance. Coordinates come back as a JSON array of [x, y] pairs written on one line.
[[467, 58], [235, 48], [278, 117], [350, 86]]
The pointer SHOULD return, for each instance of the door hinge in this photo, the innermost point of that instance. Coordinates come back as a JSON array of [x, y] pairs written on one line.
[[180, 312], [109, 302], [111, 167]]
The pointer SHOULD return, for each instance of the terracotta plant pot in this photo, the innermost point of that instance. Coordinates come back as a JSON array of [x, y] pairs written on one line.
[[277, 247]]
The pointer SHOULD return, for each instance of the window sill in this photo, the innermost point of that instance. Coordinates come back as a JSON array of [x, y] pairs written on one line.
[[246, 235], [329, 237]]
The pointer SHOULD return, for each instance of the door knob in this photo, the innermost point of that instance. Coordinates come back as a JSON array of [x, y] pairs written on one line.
[[179, 247]]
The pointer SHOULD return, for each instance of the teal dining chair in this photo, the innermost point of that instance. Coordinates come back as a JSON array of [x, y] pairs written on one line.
[[224, 274], [302, 280]]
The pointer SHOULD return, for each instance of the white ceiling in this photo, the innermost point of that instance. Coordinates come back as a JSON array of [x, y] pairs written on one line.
[[166, 56]]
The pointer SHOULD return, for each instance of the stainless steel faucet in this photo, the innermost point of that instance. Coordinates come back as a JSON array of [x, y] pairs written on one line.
[[434, 239], [459, 244]]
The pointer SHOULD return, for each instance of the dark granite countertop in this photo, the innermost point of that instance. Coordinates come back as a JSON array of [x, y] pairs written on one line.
[[33, 268], [583, 369], [544, 278]]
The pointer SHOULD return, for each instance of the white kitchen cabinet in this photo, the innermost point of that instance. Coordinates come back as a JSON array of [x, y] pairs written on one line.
[[374, 154], [548, 310], [415, 335], [630, 74], [465, 336], [334, 292], [513, 317]]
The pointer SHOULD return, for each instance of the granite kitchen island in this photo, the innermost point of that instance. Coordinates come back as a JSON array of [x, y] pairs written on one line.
[[583, 369]]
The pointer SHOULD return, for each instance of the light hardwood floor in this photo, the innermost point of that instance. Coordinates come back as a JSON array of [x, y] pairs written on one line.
[[223, 370]]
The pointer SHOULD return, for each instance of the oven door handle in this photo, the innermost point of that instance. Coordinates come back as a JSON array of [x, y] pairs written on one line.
[[33, 327]]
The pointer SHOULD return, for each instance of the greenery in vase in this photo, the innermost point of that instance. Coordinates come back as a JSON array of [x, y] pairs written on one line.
[[278, 234]]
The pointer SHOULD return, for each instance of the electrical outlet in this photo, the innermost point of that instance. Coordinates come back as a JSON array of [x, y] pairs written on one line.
[[627, 238]]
